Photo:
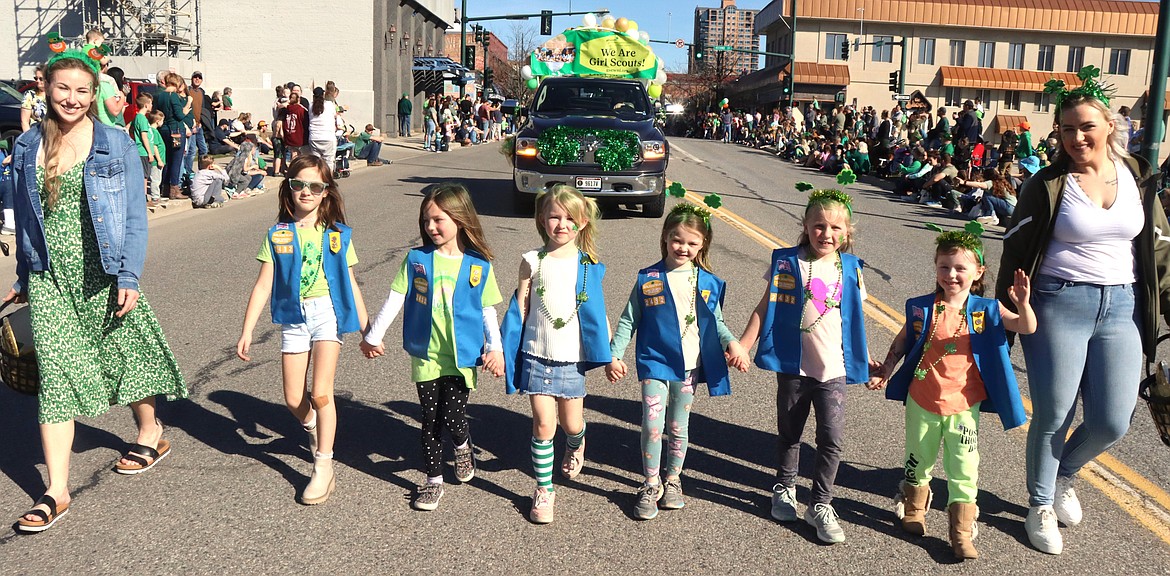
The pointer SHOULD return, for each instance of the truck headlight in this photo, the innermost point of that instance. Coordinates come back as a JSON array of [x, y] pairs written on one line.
[[526, 147], [653, 149]]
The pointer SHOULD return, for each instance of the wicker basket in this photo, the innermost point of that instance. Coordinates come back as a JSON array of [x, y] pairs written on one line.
[[18, 360], [1159, 403]]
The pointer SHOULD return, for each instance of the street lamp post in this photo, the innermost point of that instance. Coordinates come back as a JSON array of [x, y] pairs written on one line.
[[861, 33]]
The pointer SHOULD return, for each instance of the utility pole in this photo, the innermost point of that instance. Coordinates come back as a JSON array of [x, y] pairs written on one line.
[[902, 76], [792, 62], [463, 45], [1156, 101]]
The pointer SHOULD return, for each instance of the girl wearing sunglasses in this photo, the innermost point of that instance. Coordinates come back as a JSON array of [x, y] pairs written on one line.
[[306, 272]]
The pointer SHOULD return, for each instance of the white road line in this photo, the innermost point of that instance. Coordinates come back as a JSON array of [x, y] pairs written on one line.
[[690, 156]]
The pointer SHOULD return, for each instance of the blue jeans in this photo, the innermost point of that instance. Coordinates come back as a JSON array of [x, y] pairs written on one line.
[[430, 135], [998, 206], [1087, 344], [404, 124], [200, 141], [189, 152], [372, 151], [174, 166]]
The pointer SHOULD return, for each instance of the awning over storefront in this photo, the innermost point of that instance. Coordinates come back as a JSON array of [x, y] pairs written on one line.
[[1001, 79], [431, 71], [826, 74], [1005, 122]]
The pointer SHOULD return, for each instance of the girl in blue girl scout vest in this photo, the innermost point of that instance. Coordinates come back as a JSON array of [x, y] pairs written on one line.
[[447, 290], [811, 331], [957, 365], [306, 267], [676, 307], [554, 331]]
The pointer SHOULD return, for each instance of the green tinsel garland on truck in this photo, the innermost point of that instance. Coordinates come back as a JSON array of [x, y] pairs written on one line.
[[562, 144]]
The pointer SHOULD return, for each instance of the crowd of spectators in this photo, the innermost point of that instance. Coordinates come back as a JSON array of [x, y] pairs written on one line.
[[465, 121]]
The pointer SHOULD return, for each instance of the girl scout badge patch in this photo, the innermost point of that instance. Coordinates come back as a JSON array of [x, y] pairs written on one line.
[[476, 275], [977, 321], [335, 242]]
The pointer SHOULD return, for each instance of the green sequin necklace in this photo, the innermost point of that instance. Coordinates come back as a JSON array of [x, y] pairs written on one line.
[[948, 348], [831, 302], [582, 297], [690, 319]]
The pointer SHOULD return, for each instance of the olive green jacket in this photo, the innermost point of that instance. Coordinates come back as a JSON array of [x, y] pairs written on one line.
[[1027, 239]]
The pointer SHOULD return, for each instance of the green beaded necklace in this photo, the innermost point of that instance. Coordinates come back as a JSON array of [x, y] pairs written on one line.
[[948, 348], [582, 297], [831, 302]]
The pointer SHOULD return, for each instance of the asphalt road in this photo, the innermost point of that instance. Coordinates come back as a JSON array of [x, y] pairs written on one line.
[[223, 503]]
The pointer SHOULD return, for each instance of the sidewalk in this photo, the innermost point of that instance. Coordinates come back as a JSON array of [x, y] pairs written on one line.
[[393, 150]]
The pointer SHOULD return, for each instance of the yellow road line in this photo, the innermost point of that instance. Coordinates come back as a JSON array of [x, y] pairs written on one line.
[[1134, 493]]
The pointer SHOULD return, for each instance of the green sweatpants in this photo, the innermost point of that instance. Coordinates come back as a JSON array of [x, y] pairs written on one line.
[[959, 436]]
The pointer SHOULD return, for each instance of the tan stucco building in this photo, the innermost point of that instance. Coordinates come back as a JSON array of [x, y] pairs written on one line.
[[999, 51]]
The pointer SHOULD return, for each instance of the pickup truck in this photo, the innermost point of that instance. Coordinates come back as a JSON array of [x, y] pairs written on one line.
[[596, 134]]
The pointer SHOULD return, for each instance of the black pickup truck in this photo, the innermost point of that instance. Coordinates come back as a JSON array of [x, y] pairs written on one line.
[[596, 134]]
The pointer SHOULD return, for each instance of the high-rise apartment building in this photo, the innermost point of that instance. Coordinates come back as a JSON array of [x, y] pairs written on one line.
[[725, 26]]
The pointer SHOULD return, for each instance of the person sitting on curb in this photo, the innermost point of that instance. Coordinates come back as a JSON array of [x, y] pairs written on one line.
[[207, 186], [221, 141], [368, 146], [244, 173]]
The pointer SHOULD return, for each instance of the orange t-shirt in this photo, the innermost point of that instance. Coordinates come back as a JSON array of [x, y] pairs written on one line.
[[954, 384]]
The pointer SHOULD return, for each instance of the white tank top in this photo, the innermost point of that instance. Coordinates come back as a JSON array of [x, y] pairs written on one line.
[[558, 277]]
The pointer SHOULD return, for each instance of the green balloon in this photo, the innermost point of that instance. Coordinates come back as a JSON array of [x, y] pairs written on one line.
[[533, 83]]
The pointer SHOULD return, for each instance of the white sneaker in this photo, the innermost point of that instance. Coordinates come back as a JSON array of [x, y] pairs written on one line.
[[1042, 530], [990, 220], [824, 519], [1065, 504], [784, 503]]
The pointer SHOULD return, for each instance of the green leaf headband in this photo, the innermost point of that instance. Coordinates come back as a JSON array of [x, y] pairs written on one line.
[[829, 195], [970, 237], [713, 201], [91, 55], [1090, 88]]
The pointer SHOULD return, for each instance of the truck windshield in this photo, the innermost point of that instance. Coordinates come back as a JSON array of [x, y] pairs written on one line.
[[624, 100]]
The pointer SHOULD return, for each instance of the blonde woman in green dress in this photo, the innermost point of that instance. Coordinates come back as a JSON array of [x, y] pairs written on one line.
[[80, 246]]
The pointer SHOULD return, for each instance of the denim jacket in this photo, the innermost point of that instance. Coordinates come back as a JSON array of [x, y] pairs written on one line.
[[115, 190]]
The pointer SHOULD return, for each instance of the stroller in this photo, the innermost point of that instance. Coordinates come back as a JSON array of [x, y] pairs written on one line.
[[344, 155]]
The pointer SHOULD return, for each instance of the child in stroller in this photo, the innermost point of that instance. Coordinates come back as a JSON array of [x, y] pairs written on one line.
[[344, 149]]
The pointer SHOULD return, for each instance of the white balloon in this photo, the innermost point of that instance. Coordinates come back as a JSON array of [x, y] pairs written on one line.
[[644, 36], [590, 20], [661, 77], [526, 72]]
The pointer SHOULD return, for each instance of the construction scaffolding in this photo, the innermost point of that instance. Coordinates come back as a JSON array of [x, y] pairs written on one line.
[[157, 28]]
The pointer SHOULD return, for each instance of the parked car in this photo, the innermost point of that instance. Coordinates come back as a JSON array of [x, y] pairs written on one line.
[[137, 87], [9, 114]]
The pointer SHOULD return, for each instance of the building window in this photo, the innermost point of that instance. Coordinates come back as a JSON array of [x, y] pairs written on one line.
[[958, 51], [885, 52], [1045, 57], [1015, 56], [1119, 61], [1076, 58], [926, 51], [986, 55], [983, 97], [1043, 102], [1011, 99], [953, 97]]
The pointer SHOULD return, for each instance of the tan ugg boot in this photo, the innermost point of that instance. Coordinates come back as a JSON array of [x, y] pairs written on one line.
[[963, 530], [322, 482], [915, 502]]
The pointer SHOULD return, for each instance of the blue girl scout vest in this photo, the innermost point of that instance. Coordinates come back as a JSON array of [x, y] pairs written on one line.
[[780, 342], [659, 347], [591, 317], [466, 306], [988, 345], [286, 275]]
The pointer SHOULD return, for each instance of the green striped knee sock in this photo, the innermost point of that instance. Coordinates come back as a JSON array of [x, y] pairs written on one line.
[[542, 462], [573, 441]]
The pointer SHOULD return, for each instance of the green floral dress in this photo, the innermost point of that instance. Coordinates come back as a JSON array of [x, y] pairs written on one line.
[[89, 358]]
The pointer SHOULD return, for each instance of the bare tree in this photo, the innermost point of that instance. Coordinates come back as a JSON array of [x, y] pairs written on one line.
[[522, 39]]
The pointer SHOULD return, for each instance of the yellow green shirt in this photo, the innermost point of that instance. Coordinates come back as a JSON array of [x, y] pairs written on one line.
[[440, 359], [313, 282]]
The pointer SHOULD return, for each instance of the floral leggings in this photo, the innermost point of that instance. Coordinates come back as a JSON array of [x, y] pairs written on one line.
[[666, 405]]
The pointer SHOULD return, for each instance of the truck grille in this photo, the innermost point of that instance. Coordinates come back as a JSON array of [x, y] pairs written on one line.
[[589, 146]]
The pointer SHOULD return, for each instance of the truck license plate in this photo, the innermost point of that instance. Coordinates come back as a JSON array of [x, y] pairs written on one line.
[[588, 184]]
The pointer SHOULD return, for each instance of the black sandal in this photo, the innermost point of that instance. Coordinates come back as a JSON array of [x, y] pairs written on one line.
[[47, 519]]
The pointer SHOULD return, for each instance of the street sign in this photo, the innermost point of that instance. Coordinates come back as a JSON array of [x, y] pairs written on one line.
[[900, 97], [679, 43], [721, 48]]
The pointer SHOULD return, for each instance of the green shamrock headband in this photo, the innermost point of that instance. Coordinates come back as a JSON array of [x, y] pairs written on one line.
[[90, 54], [829, 195], [970, 237], [711, 200], [1090, 88]]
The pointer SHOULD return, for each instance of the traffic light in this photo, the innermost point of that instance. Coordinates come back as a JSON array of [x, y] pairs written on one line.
[[546, 22], [487, 78], [478, 34], [698, 52], [469, 56], [487, 42], [845, 50], [894, 77]]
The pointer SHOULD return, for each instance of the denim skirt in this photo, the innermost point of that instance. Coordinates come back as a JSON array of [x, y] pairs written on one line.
[[551, 378]]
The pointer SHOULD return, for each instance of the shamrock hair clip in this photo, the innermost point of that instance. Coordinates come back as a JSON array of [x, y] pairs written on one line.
[[713, 202], [676, 189], [1090, 87], [970, 237], [56, 43]]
